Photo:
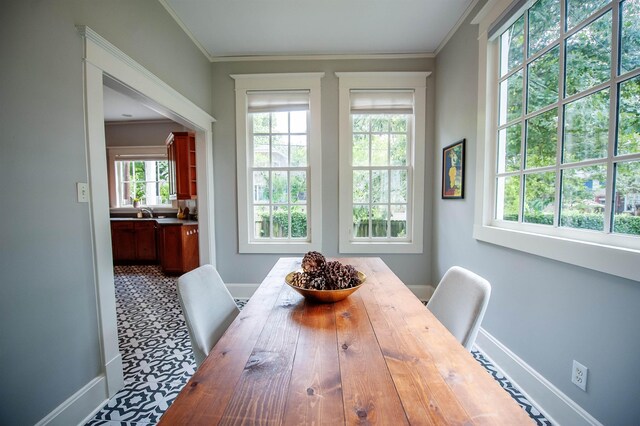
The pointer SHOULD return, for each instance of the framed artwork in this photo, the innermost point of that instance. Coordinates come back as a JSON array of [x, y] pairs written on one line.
[[453, 170]]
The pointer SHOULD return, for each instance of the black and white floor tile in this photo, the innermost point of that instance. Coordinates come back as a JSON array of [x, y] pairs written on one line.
[[156, 352]]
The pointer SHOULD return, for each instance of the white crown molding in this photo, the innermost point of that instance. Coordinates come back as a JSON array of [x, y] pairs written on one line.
[[307, 57], [456, 27], [182, 25]]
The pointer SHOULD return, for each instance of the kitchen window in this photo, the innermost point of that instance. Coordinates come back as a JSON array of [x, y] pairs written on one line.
[[279, 162], [562, 130], [382, 138]]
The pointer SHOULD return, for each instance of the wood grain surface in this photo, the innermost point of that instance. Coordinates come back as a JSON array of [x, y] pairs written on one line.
[[376, 357]]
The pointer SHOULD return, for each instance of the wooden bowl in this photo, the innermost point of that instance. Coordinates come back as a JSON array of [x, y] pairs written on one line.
[[324, 296]]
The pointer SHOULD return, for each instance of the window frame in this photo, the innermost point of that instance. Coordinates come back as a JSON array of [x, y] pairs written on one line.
[[615, 254], [135, 153], [280, 81], [415, 81]]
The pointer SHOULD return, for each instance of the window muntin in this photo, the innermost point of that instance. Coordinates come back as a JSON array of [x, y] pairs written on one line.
[[142, 183], [578, 167], [278, 171]]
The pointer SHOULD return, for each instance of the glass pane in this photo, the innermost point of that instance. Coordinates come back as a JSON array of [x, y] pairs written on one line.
[[379, 186], [298, 150], [360, 149], [280, 221], [299, 222], [582, 197], [260, 151], [509, 142], [262, 224], [586, 128], [298, 121], [398, 186], [279, 187], [399, 150], [398, 123], [539, 196], [629, 117], [379, 123], [508, 198], [630, 36], [280, 122], [360, 186], [543, 81], [379, 221], [380, 150], [280, 151], [360, 122], [261, 187], [626, 219], [511, 98], [360, 221], [544, 24], [512, 47], [399, 221], [261, 122], [589, 56], [579, 10], [542, 139], [298, 187]]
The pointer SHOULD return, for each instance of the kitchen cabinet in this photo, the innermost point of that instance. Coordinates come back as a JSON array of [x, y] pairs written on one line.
[[181, 153], [133, 241], [178, 248]]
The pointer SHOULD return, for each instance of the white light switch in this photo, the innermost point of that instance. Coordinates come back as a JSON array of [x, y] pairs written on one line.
[[83, 192]]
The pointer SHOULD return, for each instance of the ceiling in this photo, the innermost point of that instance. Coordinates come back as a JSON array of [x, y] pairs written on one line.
[[239, 28], [120, 107]]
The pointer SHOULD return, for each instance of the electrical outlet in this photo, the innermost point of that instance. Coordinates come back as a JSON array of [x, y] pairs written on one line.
[[579, 375], [83, 192]]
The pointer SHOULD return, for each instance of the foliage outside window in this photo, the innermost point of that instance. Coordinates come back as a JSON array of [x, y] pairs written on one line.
[[382, 137], [568, 124], [142, 183]]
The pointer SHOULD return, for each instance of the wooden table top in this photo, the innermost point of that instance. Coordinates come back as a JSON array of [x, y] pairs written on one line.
[[376, 357]]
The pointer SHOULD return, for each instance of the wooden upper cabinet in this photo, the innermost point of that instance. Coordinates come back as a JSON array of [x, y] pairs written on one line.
[[181, 153]]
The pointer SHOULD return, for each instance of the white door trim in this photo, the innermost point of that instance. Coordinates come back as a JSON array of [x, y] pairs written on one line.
[[102, 59]]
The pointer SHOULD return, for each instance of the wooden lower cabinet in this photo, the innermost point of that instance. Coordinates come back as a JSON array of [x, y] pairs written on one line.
[[133, 242], [178, 247]]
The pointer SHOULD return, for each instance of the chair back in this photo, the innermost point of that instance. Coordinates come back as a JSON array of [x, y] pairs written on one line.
[[459, 302], [208, 308]]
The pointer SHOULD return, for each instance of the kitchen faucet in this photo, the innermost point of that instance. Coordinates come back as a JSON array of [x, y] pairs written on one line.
[[148, 210]]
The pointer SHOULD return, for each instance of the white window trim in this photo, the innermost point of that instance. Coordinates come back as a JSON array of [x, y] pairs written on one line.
[[598, 253], [382, 80], [280, 81]]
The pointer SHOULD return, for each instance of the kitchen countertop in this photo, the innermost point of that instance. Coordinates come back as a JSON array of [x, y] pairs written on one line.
[[159, 220]]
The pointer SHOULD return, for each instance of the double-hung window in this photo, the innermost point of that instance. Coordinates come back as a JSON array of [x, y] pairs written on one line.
[[381, 162], [279, 203], [562, 131], [139, 176]]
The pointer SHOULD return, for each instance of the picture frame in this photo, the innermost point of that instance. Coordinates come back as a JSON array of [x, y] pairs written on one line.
[[453, 170]]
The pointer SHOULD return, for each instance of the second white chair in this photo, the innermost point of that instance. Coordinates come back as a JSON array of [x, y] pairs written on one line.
[[459, 302], [208, 308]]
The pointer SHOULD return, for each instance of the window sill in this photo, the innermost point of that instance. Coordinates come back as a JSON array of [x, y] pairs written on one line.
[[381, 248], [279, 248], [618, 261]]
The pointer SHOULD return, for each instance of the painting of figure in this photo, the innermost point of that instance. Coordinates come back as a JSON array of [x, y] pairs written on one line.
[[453, 170]]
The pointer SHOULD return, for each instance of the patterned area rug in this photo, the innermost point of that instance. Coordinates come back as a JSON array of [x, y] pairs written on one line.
[[156, 352]]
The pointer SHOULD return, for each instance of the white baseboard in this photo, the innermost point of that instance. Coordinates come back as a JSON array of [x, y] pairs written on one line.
[[74, 410], [555, 405], [114, 375], [245, 291]]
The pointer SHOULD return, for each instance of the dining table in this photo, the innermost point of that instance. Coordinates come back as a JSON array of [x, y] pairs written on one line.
[[378, 356]]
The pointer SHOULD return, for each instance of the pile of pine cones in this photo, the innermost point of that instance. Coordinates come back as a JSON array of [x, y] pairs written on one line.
[[318, 274]]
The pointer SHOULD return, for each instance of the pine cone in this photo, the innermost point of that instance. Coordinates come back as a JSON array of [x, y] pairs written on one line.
[[300, 279], [313, 262], [319, 283], [340, 276]]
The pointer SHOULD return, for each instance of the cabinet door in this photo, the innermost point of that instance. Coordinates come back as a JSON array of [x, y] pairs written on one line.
[[190, 251], [172, 249], [145, 236], [123, 242]]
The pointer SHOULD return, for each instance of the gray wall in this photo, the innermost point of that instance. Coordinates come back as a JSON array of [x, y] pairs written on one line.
[[48, 318], [414, 269], [548, 313], [140, 134]]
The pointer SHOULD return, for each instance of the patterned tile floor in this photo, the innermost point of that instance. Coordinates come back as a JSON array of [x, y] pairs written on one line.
[[156, 352]]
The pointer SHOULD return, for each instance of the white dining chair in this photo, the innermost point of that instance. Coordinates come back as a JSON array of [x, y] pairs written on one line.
[[208, 308], [459, 302]]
